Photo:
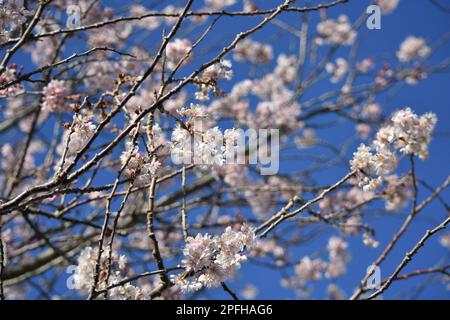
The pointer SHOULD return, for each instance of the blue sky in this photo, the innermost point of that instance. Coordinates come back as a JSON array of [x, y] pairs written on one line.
[[412, 17]]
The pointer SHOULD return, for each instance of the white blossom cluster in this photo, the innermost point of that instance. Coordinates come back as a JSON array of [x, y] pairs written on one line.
[[141, 167], [269, 247], [55, 96], [278, 107], [336, 32], [9, 157], [249, 292], [9, 75], [171, 9], [369, 241], [100, 75], [203, 146], [113, 36], [249, 6], [397, 192], [42, 51], [177, 50], [253, 51], [258, 196], [212, 74], [286, 67], [83, 278], [12, 15], [84, 273], [334, 292], [212, 260], [76, 138], [411, 48], [351, 226], [234, 104], [407, 133], [309, 269], [335, 203], [387, 6], [307, 139], [338, 257], [149, 23], [370, 111], [152, 23], [365, 65], [211, 147], [83, 130], [220, 70], [445, 240], [337, 70], [370, 167], [280, 112], [219, 4]]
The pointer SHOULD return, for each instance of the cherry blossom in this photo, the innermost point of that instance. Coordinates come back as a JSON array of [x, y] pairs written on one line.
[[55, 96], [335, 32], [178, 51], [411, 48], [211, 260], [387, 6], [253, 51]]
